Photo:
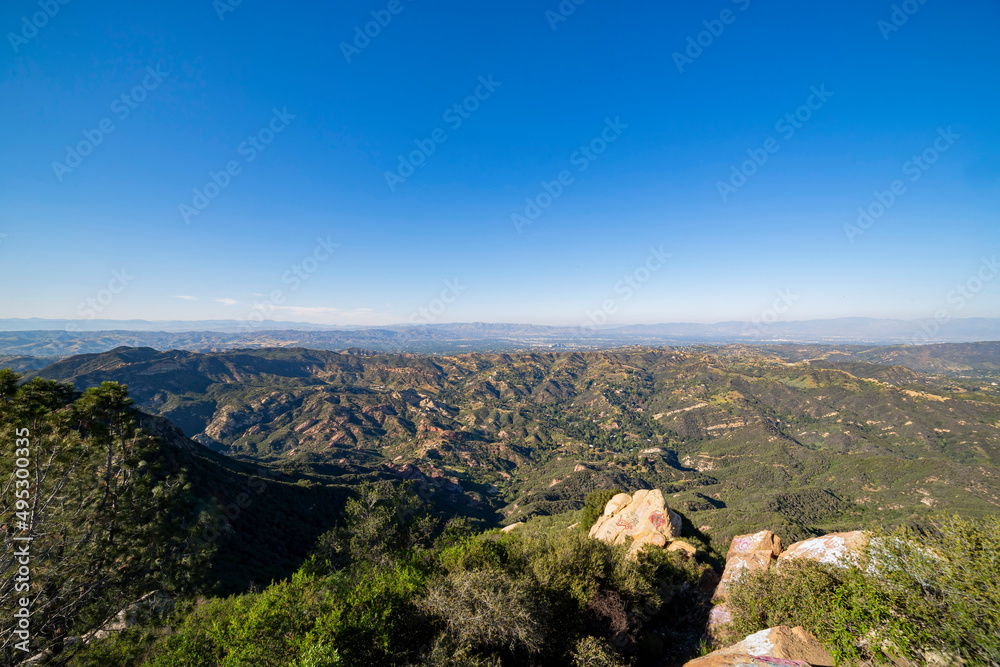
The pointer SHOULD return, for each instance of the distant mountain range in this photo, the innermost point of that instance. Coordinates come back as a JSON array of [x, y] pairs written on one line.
[[47, 338]]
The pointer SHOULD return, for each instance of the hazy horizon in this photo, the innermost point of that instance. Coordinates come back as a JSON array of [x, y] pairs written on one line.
[[5, 321]]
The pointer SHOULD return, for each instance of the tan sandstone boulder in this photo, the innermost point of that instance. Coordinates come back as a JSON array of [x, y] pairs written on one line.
[[833, 549], [748, 553], [616, 503], [643, 516], [775, 646]]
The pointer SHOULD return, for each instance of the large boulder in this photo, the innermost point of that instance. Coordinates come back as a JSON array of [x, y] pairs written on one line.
[[832, 549], [643, 516], [768, 647], [748, 553]]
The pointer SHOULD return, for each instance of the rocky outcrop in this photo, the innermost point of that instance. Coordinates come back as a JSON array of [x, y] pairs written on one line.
[[763, 550], [748, 553], [768, 647], [832, 549], [642, 516]]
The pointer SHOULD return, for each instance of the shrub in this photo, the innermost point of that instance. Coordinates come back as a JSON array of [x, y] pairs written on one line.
[[489, 609], [947, 571], [801, 593], [444, 652], [305, 621], [594, 505], [381, 522], [570, 563], [594, 652], [380, 591]]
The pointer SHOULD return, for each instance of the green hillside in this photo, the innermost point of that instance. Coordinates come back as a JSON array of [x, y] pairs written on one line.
[[795, 439]]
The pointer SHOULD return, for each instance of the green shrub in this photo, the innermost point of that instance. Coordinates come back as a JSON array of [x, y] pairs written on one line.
[[570, 563], [374, 621], [944, 579], [594, 652], [130, 647], [594, 505], [838, 605], [193, 644], [490, 609], [801, 593], [379, 591], [305, 621]]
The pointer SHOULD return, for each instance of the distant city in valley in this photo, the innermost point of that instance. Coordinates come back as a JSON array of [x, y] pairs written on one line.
[[47, 338]]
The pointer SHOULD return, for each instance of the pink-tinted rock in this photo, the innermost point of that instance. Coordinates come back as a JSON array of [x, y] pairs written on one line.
[[748, 553], [765, 540], [719, 620]]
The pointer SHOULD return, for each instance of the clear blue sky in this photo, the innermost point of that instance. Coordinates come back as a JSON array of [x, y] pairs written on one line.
[[323, 175]]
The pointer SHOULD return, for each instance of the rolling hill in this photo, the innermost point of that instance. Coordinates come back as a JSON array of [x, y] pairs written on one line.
[[798, 439]]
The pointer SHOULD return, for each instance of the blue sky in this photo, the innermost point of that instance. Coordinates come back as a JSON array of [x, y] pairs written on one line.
[[197, 87]]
